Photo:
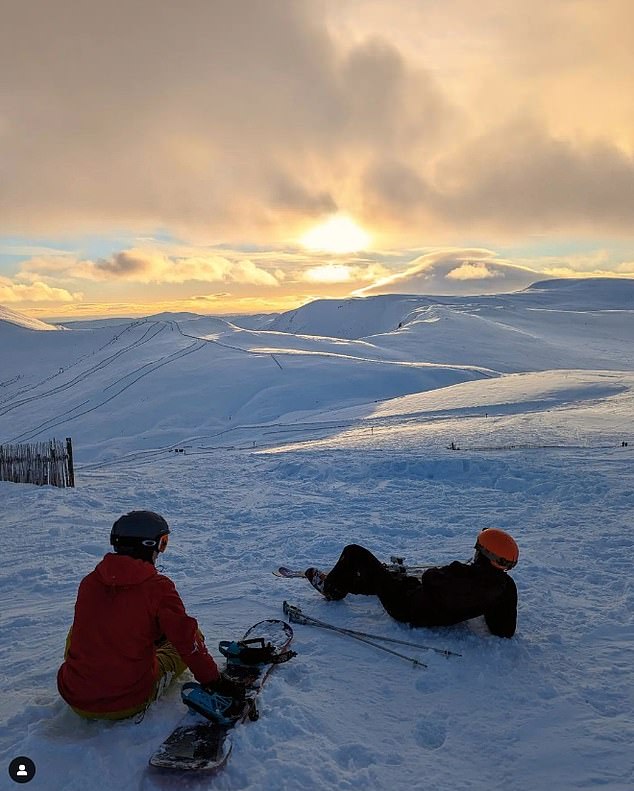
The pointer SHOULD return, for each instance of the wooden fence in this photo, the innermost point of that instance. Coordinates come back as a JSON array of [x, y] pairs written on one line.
[[40, 463]]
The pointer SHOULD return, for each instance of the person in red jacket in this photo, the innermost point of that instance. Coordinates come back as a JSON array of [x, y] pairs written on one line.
[[444, 595], [131, 635]]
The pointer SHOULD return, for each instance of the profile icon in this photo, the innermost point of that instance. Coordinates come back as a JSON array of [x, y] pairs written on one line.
[[22, 769]]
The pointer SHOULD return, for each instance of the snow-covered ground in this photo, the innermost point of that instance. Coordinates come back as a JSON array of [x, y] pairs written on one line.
[[296, 444]]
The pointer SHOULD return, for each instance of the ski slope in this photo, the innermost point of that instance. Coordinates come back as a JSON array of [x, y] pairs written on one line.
[[300, 439]]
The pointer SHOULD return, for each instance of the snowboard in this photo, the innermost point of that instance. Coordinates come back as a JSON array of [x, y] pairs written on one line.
[[198, 744]]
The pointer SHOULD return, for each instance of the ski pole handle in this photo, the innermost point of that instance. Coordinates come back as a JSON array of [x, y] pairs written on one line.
[[294, 614]]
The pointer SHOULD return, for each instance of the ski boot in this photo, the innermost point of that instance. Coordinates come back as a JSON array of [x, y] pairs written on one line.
[[317, 579]]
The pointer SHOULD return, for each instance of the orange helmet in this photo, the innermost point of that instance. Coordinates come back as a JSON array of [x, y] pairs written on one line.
[[498, 547]]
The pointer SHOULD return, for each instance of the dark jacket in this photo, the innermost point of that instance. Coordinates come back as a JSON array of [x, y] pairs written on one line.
[[459, 591], [123, 607]]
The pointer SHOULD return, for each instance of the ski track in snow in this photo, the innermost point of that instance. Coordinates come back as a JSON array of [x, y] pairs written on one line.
[[551, 708]]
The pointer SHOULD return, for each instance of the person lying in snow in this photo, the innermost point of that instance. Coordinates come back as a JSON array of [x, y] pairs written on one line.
[[131, 635], [442, 596]]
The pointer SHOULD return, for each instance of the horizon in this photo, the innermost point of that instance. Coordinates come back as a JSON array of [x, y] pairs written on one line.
[[244, 315], [308, 151]]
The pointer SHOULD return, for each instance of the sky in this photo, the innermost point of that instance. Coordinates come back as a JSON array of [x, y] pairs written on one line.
[[240, 156]]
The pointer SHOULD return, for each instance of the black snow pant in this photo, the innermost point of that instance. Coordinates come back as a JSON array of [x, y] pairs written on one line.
[[359, 571]]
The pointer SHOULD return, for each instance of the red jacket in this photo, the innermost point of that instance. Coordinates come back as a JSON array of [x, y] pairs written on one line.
[[122, 608]]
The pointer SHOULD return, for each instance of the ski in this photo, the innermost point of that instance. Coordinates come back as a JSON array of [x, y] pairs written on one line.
[[287, 573], [396, 565], [200, 744]]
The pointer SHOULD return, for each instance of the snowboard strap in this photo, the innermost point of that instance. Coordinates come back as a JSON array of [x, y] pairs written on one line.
[[253, 652], [210, 704]]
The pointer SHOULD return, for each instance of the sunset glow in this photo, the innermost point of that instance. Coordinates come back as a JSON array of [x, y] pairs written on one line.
[[306, 150], [339, 234]]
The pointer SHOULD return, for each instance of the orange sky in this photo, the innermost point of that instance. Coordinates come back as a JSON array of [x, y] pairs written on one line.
[[174, 155]]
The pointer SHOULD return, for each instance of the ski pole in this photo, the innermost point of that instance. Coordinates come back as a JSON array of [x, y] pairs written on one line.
[[443, 651], [295, 615]]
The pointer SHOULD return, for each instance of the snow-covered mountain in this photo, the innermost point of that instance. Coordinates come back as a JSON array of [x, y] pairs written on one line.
[[324, 426], [365, 316], [366, 351], [20, 320]]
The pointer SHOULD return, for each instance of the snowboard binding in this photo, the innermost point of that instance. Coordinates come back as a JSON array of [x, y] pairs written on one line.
[[252, 653], [219, 708]]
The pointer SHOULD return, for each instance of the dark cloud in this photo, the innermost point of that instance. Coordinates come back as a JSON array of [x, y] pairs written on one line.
[[125, 264], [395, 187], [522, 177], [228, 119], [287, 194], [189, 115]]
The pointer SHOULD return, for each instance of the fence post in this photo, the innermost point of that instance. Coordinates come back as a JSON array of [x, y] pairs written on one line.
[[71, 469], [40, 463]]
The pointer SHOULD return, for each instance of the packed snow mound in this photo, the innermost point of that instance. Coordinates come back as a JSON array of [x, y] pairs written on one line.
[[13, 317]]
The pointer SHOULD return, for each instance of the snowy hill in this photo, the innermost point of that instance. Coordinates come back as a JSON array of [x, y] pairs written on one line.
[[362, 317], [552, 324], [20, 320], [598, 293], [359, 317], [233, 378], [514, 410]]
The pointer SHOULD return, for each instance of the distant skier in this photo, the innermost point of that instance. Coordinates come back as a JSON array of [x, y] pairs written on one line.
[[131, 635], [444, 595]]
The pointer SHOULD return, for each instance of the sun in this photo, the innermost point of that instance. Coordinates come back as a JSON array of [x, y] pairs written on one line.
[[338, 234]]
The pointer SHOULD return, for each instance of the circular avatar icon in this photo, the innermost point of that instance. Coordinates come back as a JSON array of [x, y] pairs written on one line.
[[21, 769]]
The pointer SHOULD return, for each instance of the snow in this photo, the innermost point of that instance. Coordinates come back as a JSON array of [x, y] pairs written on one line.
[[20, 320], [296, 444]]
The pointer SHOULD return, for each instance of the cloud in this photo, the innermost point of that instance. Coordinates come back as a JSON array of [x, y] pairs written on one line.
[[468, 271], [328, 273], [563, 271], [342, 273], [227, 118], [477, 271], [288, 194], [519, 175], [34, 292], [211, 297], [396, 186], [150, 266], [243, 120]]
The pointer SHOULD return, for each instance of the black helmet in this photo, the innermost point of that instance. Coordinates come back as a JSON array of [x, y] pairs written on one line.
[[139, 534]]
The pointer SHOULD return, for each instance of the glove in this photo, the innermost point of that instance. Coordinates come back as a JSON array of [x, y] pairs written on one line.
[[226, 687]]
